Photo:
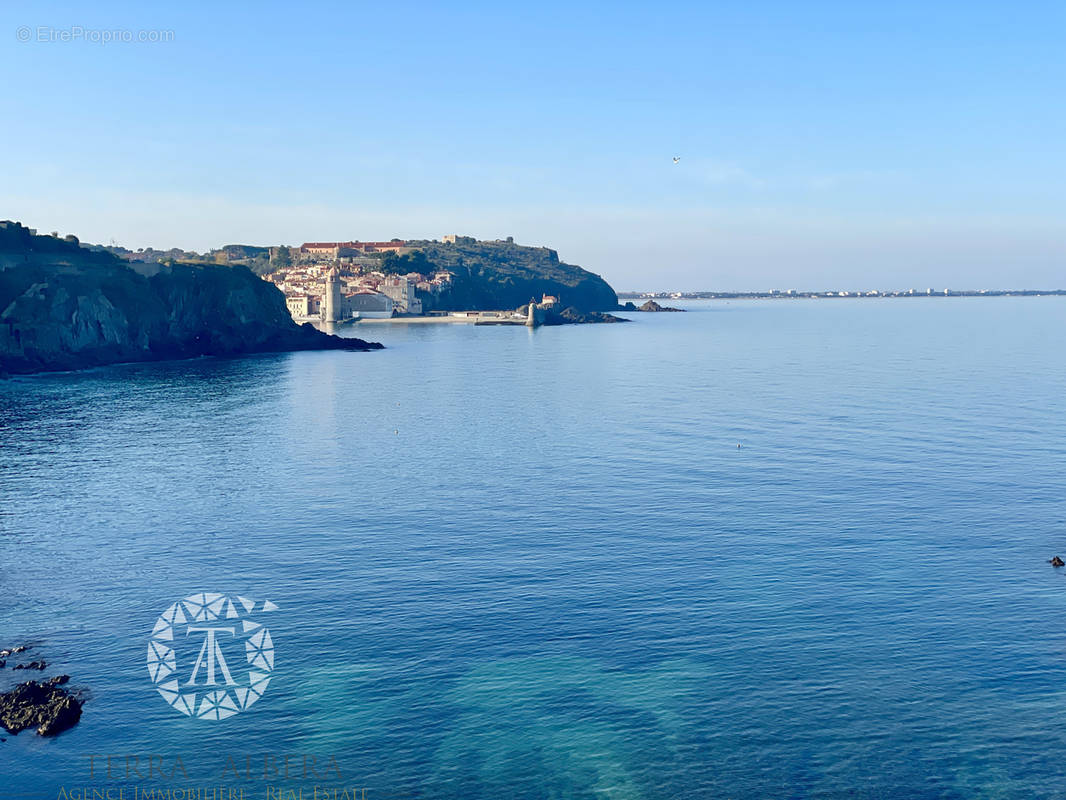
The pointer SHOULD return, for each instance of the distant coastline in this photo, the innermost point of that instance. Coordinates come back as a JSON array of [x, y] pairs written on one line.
[[792, 294]]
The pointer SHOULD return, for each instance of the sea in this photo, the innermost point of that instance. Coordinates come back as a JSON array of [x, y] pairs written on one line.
[[760, 549]]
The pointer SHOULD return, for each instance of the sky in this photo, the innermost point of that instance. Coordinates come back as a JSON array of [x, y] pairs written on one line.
[[822, 144]]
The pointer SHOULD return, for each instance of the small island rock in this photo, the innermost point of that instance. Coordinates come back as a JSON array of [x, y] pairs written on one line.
[[651, 305], [44, 706]]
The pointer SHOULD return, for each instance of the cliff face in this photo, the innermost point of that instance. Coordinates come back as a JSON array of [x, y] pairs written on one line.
[[494, 275], [61, 311]]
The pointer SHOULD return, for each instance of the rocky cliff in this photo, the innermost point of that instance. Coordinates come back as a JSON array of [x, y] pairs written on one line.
[[502, 274], [62, 307]]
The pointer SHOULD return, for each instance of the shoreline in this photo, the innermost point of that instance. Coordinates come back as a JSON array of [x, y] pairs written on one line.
[[318, 323], [468, 318], [422, 320]]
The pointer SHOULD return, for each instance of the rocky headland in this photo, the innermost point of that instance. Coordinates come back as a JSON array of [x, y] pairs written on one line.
[[501, 274], [63, 307]]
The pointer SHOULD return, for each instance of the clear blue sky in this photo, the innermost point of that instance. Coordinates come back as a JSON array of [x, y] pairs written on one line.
[[822, 144]]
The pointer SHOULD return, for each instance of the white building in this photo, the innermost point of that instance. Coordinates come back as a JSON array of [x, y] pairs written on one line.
[[302, 306]]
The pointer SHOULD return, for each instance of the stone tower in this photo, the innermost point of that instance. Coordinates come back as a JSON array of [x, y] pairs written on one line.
[[332, 301]]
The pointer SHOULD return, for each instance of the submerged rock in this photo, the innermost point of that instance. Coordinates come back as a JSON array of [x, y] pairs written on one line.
[[1057, 562], [43, 706], [40, 665]]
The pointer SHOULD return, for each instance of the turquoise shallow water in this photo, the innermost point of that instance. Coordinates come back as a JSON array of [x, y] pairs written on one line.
[[537, 565]]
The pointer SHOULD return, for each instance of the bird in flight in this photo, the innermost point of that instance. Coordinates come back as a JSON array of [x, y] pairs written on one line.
[[676, 159]]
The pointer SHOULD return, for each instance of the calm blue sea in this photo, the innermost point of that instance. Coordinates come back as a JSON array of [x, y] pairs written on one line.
[[536, 564]]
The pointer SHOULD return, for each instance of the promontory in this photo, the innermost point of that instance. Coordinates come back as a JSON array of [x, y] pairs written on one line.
[[65, 307]]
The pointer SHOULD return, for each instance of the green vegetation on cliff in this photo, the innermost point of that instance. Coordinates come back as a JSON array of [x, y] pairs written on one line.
[[20, 245], [502, 274]]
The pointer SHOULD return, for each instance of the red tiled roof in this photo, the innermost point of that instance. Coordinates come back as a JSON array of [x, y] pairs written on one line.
[[353, 245]]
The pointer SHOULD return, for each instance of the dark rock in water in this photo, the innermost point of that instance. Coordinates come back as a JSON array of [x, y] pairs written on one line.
[[62, 715], [651, 305], [20, 649], [572, 316], [46, 707], [58, 680], [628, 306], [1057, 562], [2, 663], [568, 316], [32, 665]]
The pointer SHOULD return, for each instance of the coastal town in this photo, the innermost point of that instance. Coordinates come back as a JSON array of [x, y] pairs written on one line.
[[335, 281], [327, 281], [351, 281], [318, 285]]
